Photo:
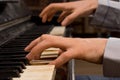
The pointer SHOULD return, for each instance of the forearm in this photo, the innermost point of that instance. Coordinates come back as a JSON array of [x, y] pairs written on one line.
[[111, 59], [107, 15]]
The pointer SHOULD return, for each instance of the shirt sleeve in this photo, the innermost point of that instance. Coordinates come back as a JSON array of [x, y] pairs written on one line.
[[107, 15], [111, 59]]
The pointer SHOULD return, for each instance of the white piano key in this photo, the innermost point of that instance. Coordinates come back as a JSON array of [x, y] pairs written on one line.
[[58, 31], [43, 72], [39, 62], [50, 53]]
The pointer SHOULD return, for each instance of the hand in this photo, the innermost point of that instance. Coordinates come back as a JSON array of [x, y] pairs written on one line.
[[70, 10], [71, 48]]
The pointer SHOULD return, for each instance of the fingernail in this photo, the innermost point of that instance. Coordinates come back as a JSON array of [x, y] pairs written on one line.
[[28, 57], [26, 49], [63, 24], [40, 15]]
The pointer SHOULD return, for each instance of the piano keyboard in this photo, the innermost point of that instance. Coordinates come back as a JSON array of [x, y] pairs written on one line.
[[14, 65]]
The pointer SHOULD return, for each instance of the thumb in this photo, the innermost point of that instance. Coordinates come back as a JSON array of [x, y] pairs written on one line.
[[62, 59]]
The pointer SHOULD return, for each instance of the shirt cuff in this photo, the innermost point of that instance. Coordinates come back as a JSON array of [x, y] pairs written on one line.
[[111, 59]]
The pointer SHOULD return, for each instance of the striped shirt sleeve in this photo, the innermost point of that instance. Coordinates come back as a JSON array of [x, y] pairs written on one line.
[[107, 15]]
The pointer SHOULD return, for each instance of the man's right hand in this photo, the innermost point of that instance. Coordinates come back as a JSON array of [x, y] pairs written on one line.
[[70, 10]]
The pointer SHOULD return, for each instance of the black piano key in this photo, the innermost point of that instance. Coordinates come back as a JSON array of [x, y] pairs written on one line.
[[11, 67], [9, 73], [9, 1], [26, 42], [28, 37], [31, 34], [5, 78], [19, 44], [21, 59], [8, 46], [21, 64], [14, 43], [11, 45], [12, 49], [12, 56], [14, 52]]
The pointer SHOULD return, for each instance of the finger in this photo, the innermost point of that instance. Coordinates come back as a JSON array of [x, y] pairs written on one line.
[[51, 15], [62, 59], [44, 18], [37, 50], [32, 44], [54, 7], [70, 18], [60, 51], [63, 15], [48, 16]]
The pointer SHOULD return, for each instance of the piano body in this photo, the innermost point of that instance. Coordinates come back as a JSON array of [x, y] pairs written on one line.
[[17, 29]]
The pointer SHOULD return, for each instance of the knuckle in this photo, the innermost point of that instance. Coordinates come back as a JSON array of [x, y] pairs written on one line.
[[69, 18], [66, 56], [33, 41], [52, 5], [44, 36]]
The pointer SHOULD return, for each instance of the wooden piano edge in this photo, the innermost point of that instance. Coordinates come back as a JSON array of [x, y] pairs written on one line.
[[68, 69], [71, 71]]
